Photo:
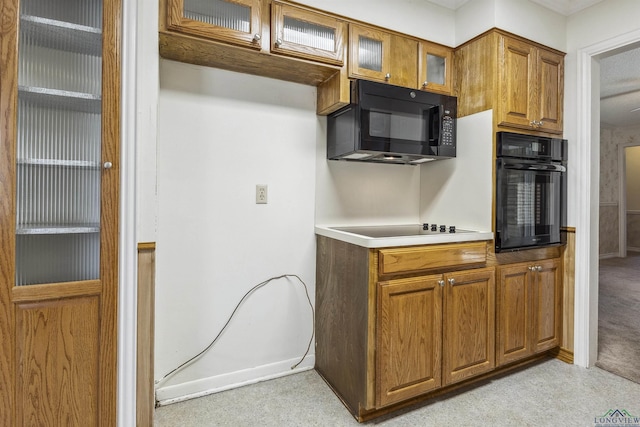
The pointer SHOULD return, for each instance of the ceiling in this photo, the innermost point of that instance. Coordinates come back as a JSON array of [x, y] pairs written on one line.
[[565, 7], [620, 88], [619, 72]]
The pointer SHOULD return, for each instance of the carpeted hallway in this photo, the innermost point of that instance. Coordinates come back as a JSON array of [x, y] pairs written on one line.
[[619, 316]]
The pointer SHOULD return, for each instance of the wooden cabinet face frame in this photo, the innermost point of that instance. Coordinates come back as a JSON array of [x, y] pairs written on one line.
[[333, 54], [250, 37]]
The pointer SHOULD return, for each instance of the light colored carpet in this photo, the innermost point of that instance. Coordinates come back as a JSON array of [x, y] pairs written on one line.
[[551, 393], [619, 316]]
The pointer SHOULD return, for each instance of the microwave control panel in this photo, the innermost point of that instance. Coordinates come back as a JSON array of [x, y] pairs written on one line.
[[448, 125]]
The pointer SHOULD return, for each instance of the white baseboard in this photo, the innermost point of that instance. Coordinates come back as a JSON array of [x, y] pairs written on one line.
[[609, 255], [633, 249], [205, 386]]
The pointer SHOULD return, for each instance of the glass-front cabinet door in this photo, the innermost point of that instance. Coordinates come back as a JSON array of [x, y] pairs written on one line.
[[305, 34], [58, 146], [59, 205], [436, 68], [370, 52], [232, 21]]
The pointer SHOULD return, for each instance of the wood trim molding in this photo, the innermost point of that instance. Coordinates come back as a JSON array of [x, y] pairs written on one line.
[[145, 390], [55, 291], [146, 246], [564, 355]]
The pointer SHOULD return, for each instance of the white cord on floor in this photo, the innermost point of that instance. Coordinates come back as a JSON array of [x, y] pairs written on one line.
[[249, 292]]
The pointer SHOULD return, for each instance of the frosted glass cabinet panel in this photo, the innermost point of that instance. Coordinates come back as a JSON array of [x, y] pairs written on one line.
[[370, 53], [303, 33], [234, 21], [436, 67], [58, 146]]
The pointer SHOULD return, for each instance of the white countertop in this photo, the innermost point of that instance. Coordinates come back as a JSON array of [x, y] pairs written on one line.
[[380, 242]]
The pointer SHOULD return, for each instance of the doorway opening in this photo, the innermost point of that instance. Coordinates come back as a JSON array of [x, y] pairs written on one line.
[[618, 325]]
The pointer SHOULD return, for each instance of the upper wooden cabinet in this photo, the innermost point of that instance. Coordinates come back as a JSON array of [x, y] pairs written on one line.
[[522, 81], [378, 55], [231, 21], [435, 68], [306, 34], [530, 86]]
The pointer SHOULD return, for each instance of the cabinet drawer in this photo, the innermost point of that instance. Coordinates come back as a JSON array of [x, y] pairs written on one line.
[[404, 260]]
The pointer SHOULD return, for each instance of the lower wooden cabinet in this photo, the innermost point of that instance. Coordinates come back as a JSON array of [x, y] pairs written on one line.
[[432, 331], [529, 309], [400, 324], [408, 338], [469, 324]]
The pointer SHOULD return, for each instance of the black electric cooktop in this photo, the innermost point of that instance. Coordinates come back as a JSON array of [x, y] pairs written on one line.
[[400, 230]]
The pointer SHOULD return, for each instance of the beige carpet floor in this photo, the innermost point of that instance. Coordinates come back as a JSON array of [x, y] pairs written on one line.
[[619, 316]]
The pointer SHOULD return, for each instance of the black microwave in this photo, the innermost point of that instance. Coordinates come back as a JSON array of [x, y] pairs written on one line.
[[392, 124]]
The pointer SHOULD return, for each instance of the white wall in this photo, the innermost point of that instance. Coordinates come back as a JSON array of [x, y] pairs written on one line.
[[521, 17], [357, 193], [219, 134], [415, 17], [459, 191]]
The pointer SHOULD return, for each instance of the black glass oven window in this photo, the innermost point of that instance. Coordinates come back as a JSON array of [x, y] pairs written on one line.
[[531, 207]]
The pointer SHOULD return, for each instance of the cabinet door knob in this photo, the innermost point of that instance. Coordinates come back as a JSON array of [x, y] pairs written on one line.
[[452, 281], [278, 42], [531, 268], [256, 37], [387, 76], [540, 123], [538, 267], [107, 165], [425, 84], [441, 282]]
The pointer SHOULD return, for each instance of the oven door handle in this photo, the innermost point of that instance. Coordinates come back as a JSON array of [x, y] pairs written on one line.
[[535, 167]]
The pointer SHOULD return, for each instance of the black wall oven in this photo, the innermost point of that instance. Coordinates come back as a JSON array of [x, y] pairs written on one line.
[[530, 191]]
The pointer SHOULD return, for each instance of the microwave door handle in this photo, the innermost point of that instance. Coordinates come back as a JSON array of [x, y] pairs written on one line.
[[535, 167]]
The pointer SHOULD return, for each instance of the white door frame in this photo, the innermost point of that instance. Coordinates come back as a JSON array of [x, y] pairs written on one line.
[[587, 218], [127, 242]]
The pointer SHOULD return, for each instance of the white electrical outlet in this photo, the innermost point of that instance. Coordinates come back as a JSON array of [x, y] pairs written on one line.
[[261, 194]]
